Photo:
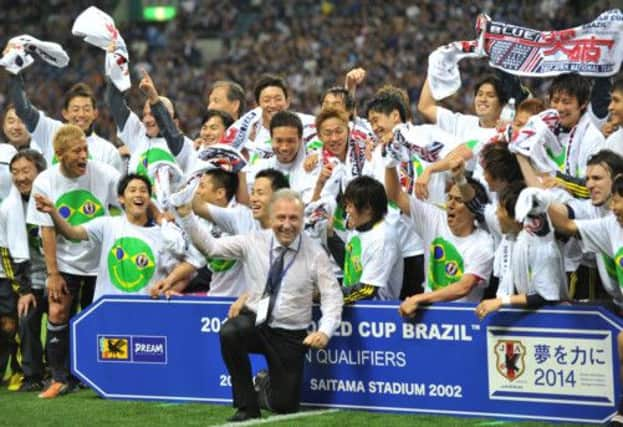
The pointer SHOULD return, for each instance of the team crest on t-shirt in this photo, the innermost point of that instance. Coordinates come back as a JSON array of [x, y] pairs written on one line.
[[79, 206], [352, 262], [618, 266], [445, 264], [131, 264]]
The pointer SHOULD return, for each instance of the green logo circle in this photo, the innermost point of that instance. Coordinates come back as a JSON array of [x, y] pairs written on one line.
[[131, 264], [352, 262], [79, 206], [217, 265], [445, 264]]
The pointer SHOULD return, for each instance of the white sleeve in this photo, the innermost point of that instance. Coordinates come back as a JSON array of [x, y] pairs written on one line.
[[447, 120], [230, 247], [41, 185], [331, 300], [45, 131], [425, 218], [194, 257], [132, 133], [595, 234], [95, 228], [236, 220], [479, 261]]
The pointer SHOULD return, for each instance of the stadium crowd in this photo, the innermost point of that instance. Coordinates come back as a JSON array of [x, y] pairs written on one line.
[[316, 126]]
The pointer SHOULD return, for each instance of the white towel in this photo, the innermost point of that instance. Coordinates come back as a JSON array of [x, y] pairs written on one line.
[[317, 216], [16, 227], [223, 156], [98, 28], [21, 51], [167, 176], [536, 138], [444, 76]]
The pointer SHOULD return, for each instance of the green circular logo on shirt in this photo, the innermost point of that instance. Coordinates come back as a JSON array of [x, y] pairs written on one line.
[[131, 264], [445, 264], [352, 262], [217, 265], [79, 206], [151, 156]]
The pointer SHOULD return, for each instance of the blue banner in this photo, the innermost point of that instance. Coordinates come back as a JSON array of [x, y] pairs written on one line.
[[557, 364]]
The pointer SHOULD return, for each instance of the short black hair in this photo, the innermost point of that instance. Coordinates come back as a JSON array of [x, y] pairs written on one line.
[[277, 179], [365, 192], [572, 84], [618, 85], [498, 87], [612, 160], [79, 90], [349, 101], [31, 155], [126, 179], [224, 179], [385, 103], [267, 80], [500, 163], [225, 117], [235, 92], [286, 119], [509, 195]]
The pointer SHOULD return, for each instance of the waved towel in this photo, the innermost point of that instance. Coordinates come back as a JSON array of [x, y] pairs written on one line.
[[99, 29], [224, 157], [444, 76], [537, 140], [21, 51]]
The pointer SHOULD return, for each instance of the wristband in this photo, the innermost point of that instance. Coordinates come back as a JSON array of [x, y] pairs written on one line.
[[506, 300]]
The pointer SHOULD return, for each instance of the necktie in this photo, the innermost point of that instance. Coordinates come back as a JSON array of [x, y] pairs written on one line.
[[273, 282]]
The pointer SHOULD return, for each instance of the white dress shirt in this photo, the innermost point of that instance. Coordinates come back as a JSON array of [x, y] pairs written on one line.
[[310, 268]]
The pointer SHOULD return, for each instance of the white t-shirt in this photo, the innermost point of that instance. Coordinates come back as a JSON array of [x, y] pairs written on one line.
[[464, 126], [228, 279], [546, 269], [79, 200], [373, 257], [99, 148], [7, 151], [604, 237], [146, 150], [234, 220], [131, 256], [299, 179], [450, 257], [585, 140], [615, 142], [37, 263]]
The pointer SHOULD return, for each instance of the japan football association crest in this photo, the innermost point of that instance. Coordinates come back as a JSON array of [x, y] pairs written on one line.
[[510, 358]]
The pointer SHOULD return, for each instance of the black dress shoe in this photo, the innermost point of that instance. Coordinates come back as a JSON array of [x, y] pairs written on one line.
[[241, 415]]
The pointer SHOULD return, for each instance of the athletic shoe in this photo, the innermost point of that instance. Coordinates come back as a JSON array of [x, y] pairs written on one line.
[[616, 421], [54, 390], [31, 385], [15, 381]]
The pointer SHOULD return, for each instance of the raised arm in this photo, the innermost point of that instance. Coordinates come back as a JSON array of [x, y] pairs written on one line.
[[426, 104], [168, 128], [71, 232], [23, 108], [394, 190], [116, 102]]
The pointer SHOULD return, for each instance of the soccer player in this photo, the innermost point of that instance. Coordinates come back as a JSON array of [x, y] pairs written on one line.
[[132, 246], [82, 190]]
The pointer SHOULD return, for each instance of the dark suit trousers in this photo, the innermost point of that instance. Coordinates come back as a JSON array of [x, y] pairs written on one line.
[[284, 352]]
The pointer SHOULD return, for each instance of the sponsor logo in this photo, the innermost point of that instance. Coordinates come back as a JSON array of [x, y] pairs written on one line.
[[132, 349], [113, 348]]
